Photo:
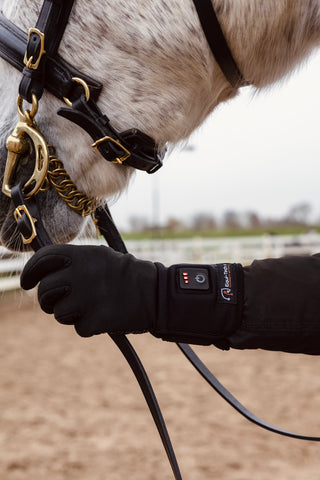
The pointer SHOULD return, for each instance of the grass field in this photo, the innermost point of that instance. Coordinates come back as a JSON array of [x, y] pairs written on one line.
[[217, 233]]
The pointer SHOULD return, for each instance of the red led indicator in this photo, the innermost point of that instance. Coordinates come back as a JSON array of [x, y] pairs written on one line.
[[185, 277]]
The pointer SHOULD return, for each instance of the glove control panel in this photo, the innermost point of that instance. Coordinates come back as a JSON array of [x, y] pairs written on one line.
[[191, 278]]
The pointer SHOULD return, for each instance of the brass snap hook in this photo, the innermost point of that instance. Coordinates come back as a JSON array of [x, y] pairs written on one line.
[[18, 145]]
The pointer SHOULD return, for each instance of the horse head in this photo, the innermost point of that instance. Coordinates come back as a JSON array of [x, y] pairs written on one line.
[[158, 75]]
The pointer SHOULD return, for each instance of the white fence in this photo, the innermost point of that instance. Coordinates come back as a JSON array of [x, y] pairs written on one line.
[[197, 250], [231, 249]]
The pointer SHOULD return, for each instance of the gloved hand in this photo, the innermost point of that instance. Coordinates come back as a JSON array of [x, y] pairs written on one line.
[[93, 287], [102, 291]]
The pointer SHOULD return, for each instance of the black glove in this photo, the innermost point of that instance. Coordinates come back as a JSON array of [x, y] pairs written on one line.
[[102, 291], [93, 287]]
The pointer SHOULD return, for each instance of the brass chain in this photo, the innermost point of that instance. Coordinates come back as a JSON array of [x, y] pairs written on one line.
[[62, 183]]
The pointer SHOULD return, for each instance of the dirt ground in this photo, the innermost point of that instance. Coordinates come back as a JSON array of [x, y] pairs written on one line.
[[71, 409]]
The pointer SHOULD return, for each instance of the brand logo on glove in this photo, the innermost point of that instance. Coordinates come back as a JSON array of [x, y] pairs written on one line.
[[227, 294], [226, 283]]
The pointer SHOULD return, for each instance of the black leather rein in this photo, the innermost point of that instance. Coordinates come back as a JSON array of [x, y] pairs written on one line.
[[44, 69]]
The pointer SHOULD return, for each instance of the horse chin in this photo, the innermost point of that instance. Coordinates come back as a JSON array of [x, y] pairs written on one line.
[[61, 223]]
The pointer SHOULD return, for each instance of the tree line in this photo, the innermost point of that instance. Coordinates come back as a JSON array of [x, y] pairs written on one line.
[[298, 215]]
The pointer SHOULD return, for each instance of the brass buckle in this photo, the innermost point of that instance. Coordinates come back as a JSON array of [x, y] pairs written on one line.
[[19, 211], [28, 61], [118, 161]]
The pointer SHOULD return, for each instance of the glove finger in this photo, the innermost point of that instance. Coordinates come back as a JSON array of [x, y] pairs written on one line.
[[83, 327], [64, 313], [55, 296], [44, 261], [49, 293]]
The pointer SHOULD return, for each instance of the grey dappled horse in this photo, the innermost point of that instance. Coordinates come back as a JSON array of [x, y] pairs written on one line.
[[159, 76]]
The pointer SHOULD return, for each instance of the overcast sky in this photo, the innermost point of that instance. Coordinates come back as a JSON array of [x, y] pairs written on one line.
[[259, 152]]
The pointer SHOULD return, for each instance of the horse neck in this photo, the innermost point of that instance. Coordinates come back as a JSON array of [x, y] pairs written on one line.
[[269, 39], [158, 72]]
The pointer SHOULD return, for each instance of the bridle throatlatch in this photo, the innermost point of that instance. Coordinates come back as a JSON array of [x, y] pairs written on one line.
[[35, 55]]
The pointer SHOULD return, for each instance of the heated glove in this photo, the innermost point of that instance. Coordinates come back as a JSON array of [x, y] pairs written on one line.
[[272, 304], [101, 291]]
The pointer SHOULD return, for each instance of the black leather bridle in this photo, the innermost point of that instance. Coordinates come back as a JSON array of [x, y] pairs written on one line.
[[35, 55], [47, 70]]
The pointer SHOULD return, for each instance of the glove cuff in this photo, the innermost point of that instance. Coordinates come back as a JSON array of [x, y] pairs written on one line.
[[200, 304]]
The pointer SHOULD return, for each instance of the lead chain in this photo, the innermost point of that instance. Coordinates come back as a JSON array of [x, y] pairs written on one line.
[[62, 183]]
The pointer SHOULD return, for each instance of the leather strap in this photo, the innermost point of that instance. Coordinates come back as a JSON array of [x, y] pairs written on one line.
[[218, 44], [113, 238], [29, 221], [59, 73], [52, 22], [226, 395], [132, 146], [136, 366], [43, 41]]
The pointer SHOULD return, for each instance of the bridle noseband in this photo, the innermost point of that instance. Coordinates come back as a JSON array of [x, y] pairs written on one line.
[[35, 55]]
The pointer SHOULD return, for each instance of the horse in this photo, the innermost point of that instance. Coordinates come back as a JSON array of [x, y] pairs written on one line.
[[158, 74]]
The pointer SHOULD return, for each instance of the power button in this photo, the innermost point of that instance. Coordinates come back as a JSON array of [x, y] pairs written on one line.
[[191, 278]]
